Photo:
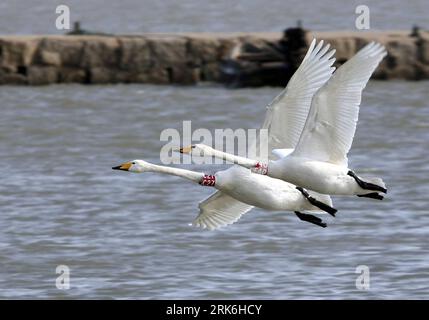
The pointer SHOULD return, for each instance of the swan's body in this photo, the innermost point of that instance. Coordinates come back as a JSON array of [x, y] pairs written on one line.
[[323, 177], [271, 194], [239, 190], [319, 161], [236, 185]]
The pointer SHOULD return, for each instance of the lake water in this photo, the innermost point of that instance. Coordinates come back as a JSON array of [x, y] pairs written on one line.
[[127, 236], [136, 16]]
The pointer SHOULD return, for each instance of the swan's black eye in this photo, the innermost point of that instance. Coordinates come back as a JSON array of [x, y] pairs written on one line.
[[133, 162]]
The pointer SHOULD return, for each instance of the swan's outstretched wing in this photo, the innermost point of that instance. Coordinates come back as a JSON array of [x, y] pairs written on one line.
[[285, 119], [286, 114], [331, 124], [219, 210], [281, 153]]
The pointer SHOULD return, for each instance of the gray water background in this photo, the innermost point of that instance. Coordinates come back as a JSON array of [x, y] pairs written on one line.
[[127, 236], [136, 16]]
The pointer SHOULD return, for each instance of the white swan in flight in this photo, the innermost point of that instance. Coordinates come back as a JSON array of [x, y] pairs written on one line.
[[239, 190], [284, 126], [319, 161]]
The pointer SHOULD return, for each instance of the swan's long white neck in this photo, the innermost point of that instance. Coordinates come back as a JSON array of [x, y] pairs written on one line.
[[244, 162], [186, 174]]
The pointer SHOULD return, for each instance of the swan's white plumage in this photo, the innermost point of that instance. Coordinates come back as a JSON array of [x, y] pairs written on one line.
[[319, 161], [281, 153], [240, 189], [331, 124], [284, 120], [286, 114], [219, 210]]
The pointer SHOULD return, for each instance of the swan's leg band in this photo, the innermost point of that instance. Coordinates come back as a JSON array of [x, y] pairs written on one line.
[[208, 180], [260, 168]]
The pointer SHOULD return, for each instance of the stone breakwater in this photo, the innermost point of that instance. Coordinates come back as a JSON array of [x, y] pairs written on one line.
[[181, 58]]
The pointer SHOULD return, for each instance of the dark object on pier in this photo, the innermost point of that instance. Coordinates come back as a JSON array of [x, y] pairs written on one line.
[[415, 31], [78, 31], [270, 64], [238, 74], [293, 46]]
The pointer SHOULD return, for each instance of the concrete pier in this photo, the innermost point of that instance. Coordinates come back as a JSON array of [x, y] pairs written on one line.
[[181, 58]]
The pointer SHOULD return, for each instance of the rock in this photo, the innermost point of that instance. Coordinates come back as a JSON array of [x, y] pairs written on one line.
[[100, 52], [158, 76], [16, 52], [210, 72], [183, 74], [72, 75], [227, 46], [137, 77], [60, 51], [167, 51], [101, 75], [188, 58], [424, 49], [169, 62], [134, 54], [401, 60], [203, 50], [38, 75], [50, 58], [13, 79], [402, 51], [422, 71]]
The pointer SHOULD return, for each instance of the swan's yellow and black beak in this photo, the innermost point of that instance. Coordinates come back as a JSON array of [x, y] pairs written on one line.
[[186, 149], [125, 166]]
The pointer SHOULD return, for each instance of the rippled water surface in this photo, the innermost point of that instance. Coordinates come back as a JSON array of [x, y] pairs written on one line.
[[136, 16], [127, 236]]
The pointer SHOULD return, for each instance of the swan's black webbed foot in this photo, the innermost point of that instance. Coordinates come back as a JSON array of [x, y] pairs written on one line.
[[372, 195], [366, 185], [310, 218], [317, 203]]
